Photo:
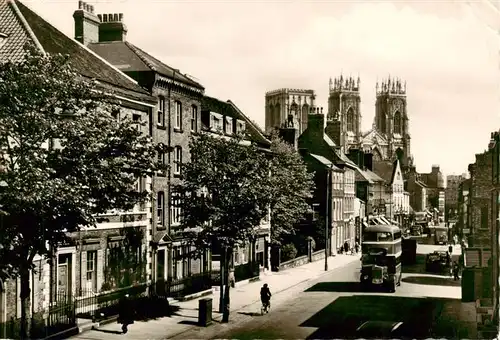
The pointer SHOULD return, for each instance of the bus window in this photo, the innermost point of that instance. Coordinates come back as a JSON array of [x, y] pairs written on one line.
[[397, 235], [377, 237]]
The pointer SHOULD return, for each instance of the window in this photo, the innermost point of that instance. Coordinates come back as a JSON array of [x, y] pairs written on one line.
[[175, 209], [194, 118], [216, 122], [397, 122], [160, 211], [350, 120], [178, 115], [178, 160], [315, 208], [229, 125], [91, 270], [240, 126], [484, 217], [137, 121], [161, 111]]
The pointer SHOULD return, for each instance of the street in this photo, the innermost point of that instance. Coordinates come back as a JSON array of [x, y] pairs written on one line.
[[334, 305]]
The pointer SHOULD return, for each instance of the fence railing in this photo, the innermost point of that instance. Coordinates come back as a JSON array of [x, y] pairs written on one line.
[[176, 288]]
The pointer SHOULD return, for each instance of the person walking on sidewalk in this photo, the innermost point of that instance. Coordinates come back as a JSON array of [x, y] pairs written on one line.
[[450, 249], [126, 313], [346, 247], [265, 297], [456, 270]]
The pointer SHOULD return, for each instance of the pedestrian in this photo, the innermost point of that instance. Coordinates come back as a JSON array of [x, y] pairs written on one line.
[[450, 249], [346, 247], [356, 246], [456, 270], [126, 313]]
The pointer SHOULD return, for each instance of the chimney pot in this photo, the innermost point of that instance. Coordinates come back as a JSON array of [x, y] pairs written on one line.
[[115, 17], [317, 110], [100, 17], [80, 4], [110, 17], [91, 9], [322, 110], [104, 18], [120, 17], [87, 7]]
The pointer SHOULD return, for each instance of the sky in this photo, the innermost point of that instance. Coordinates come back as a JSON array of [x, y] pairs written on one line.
[[446, 51]]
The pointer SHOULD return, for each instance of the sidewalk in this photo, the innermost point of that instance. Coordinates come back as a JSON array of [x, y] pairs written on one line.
[[186, 318], [457, 318]]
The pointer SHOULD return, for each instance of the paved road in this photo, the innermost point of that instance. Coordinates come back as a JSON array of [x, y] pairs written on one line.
[[334, 305]]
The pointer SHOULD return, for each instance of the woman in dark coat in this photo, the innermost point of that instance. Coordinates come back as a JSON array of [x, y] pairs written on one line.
[[126, 311]]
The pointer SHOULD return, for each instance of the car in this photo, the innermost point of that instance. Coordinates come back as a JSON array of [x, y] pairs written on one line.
[[379, 329], [436, 261]]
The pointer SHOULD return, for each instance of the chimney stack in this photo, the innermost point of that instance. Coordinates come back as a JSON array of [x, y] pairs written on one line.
[[112, 27], [86, 24]]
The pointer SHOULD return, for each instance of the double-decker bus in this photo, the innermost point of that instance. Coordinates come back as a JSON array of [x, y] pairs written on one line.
[[440, 235], [381, 259]]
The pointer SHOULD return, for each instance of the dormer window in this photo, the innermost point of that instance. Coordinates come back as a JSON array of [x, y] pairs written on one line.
[[229, 125], [240, 126], [216, 122]]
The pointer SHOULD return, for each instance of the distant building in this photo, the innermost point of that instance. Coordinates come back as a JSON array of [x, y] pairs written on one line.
[[417, 190], [451, 194], [436, 185], [288, 107]]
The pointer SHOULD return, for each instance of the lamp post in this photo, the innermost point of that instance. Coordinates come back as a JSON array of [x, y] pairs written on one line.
[[328, 213]]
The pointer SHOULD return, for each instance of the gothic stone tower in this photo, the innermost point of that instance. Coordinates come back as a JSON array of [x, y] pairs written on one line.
[[344, 114], [288, 107], [391, 119]]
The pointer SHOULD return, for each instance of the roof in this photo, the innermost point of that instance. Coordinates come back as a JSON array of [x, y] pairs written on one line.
[[373, 176], [22, 25], [361, 176], [130, 58], [346, 159], [385, 170], [325, 161], [382, 228], [231, 110]]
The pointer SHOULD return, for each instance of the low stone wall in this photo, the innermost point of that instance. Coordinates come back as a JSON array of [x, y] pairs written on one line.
[[301, 260], [298, 261], [318, 255]]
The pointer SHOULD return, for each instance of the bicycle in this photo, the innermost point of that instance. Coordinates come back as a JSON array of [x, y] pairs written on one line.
[[265, 307]]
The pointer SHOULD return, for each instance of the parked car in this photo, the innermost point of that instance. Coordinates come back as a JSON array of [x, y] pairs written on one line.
[[437, 261], [381, 330]]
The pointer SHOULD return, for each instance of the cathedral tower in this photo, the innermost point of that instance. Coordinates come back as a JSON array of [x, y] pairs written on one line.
[[391, 118], [288, 107], [344, 114]]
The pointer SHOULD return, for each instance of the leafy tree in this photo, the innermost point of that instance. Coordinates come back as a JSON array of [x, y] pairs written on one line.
[[291, 188], [65, 159], [225, 191]]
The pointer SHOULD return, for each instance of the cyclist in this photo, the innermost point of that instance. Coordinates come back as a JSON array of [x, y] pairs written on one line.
[[265, 297]]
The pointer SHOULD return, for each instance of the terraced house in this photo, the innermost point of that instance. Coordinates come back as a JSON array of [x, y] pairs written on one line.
[[84, 267], [175, 118]]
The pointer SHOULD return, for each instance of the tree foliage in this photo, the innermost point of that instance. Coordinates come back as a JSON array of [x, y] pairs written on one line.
[[290, 191], [64, 158], [225, 190]]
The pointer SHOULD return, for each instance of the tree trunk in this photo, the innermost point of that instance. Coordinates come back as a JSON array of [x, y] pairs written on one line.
[[222, 278], [24, 296], [227, 257]]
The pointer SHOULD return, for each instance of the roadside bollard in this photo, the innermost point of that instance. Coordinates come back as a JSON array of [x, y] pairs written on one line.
[[205, 312]]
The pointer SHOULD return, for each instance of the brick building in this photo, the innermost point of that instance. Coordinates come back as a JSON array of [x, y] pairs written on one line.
[[81, 265], [175, 118], [315, 140], [435, 183], [462, 225], [451, 194]]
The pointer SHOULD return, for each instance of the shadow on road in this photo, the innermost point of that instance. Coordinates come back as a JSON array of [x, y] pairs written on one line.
[[345, 287], [341, 318], [432, 280], [419, 266], [250, 313], [189, 322], [107, 331]]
